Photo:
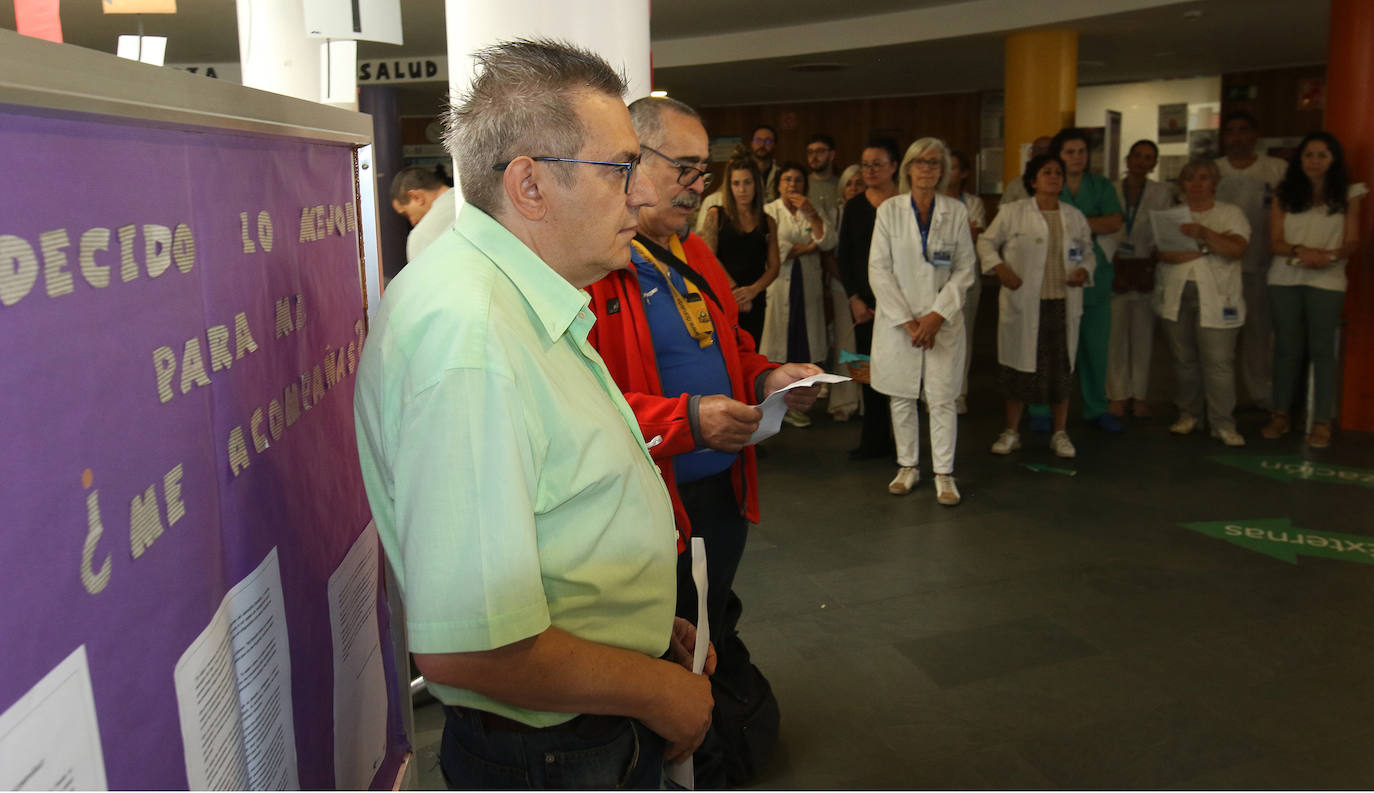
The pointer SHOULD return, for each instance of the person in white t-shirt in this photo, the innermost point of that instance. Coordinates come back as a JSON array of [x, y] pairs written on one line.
[[1314, 229], [1198, 295], [421, 197], [1133, 283], [1248, 180]]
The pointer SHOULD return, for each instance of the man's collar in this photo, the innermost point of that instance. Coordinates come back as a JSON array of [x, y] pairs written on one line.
[[555, 301]]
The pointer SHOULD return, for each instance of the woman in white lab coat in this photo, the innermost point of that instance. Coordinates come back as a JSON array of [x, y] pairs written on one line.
[[794, 321], [1199, 295], [961, 168], [920, 265], [1041, 251]]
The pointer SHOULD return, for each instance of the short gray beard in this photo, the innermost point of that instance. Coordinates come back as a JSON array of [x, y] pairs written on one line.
[[687, 200]]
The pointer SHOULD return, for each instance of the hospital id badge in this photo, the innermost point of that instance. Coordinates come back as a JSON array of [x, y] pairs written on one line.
[[1076, 255], [1230, 313], [1126, 250], [941, 259]]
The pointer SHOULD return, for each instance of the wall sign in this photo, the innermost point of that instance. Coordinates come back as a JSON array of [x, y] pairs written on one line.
[[403, 70]]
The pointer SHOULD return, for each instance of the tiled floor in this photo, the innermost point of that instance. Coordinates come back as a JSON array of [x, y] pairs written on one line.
[[1055, 631]]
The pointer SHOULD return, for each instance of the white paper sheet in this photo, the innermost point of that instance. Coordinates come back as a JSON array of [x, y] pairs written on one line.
[[684, 773], [774, 408], [49, 739], [359, 679], [233, 688], [1168, 236]]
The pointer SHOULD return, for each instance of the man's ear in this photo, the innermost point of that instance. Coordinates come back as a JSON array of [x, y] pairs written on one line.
[[524, 189], [417, 197]]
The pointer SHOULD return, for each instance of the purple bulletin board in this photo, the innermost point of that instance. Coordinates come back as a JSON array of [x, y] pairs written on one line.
[[180, 310]]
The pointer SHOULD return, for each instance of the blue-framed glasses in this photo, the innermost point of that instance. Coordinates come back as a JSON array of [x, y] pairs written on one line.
[[687, 174], [628, 166]]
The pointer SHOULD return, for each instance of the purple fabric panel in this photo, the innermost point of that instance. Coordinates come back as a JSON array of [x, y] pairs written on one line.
[[78, 391]]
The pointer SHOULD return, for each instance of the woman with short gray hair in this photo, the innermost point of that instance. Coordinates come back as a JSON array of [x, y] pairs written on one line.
[[920, 265], [1200, 299]]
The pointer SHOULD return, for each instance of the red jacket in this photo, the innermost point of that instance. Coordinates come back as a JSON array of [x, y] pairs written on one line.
[[621, 336]]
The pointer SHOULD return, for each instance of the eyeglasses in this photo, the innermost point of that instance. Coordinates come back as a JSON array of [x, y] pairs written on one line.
[[874, 166], [927, 163], [764, 139], [687, 174], [629, 167], [818, 150]]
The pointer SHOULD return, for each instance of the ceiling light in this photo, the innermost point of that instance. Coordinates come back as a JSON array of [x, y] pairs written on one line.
[[658, 93], [1193, 14]]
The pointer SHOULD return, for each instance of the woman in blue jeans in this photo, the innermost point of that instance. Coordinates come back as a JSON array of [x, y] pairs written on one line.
[[1314, 228]]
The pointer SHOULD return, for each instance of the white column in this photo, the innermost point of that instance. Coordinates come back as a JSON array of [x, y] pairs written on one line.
[[617, 30], [277, 56]]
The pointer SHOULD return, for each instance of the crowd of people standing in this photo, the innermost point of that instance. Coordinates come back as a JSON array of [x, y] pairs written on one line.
[[1246, 284]]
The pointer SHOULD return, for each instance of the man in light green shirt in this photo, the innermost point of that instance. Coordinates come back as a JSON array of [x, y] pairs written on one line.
[[532, 537]]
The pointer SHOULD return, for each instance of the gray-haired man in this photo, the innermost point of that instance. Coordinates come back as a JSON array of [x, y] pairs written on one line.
[[532, 536]]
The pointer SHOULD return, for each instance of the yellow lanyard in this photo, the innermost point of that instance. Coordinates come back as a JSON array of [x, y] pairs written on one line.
[[692, 306]]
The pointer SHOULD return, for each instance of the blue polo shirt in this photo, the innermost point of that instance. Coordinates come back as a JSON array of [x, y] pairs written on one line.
[[684, 366]]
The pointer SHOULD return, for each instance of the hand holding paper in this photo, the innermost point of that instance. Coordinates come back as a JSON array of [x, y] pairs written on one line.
[[775, 406]]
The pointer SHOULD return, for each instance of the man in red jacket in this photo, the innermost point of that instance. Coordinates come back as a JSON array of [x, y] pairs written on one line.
[[667, 327]]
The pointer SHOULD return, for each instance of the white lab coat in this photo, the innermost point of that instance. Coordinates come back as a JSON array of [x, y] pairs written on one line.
[[1220, 289], [1019, 236], [794, 228], [908, 286]]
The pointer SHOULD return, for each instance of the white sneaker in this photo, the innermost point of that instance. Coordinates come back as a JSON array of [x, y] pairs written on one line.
[[1186, 423], [961, 405], [1061, 445], [945, 491], [797, 418], [1228, 436], [1008, 442], [904, 481]]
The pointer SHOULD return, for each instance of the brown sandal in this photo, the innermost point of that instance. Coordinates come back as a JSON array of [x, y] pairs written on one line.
[[1320, 437], [1277, 427]]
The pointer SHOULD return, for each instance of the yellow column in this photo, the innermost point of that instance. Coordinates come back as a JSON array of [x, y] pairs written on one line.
[[1041, 88]]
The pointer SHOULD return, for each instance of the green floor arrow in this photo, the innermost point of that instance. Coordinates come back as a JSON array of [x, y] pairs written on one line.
[[1279, 538], [1294, 468]]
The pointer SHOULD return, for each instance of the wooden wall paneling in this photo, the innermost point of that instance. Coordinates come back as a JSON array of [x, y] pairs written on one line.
[[1276, 102]]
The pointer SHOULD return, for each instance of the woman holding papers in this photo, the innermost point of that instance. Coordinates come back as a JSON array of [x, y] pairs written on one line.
[[1041, 251], [1133, 284], [920, 266], [1314, 228], [794, 320], [1199, 297]]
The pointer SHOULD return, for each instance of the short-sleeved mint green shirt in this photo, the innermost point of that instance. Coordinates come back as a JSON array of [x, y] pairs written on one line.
[[508, 477]]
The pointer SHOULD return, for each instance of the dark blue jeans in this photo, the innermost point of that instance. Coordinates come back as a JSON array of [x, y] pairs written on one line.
[[588, 753]]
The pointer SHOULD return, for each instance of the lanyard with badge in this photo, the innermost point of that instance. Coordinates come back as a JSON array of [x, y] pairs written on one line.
[[691, 306], [941, 258], [1127, 247]]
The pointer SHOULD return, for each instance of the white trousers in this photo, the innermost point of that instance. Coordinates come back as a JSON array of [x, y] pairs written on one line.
[[844, 397], [906, 428], [1128, 352]]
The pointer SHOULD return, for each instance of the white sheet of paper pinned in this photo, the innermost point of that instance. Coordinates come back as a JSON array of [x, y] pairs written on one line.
[[774, 408], [1168, 235], [684, 773]]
